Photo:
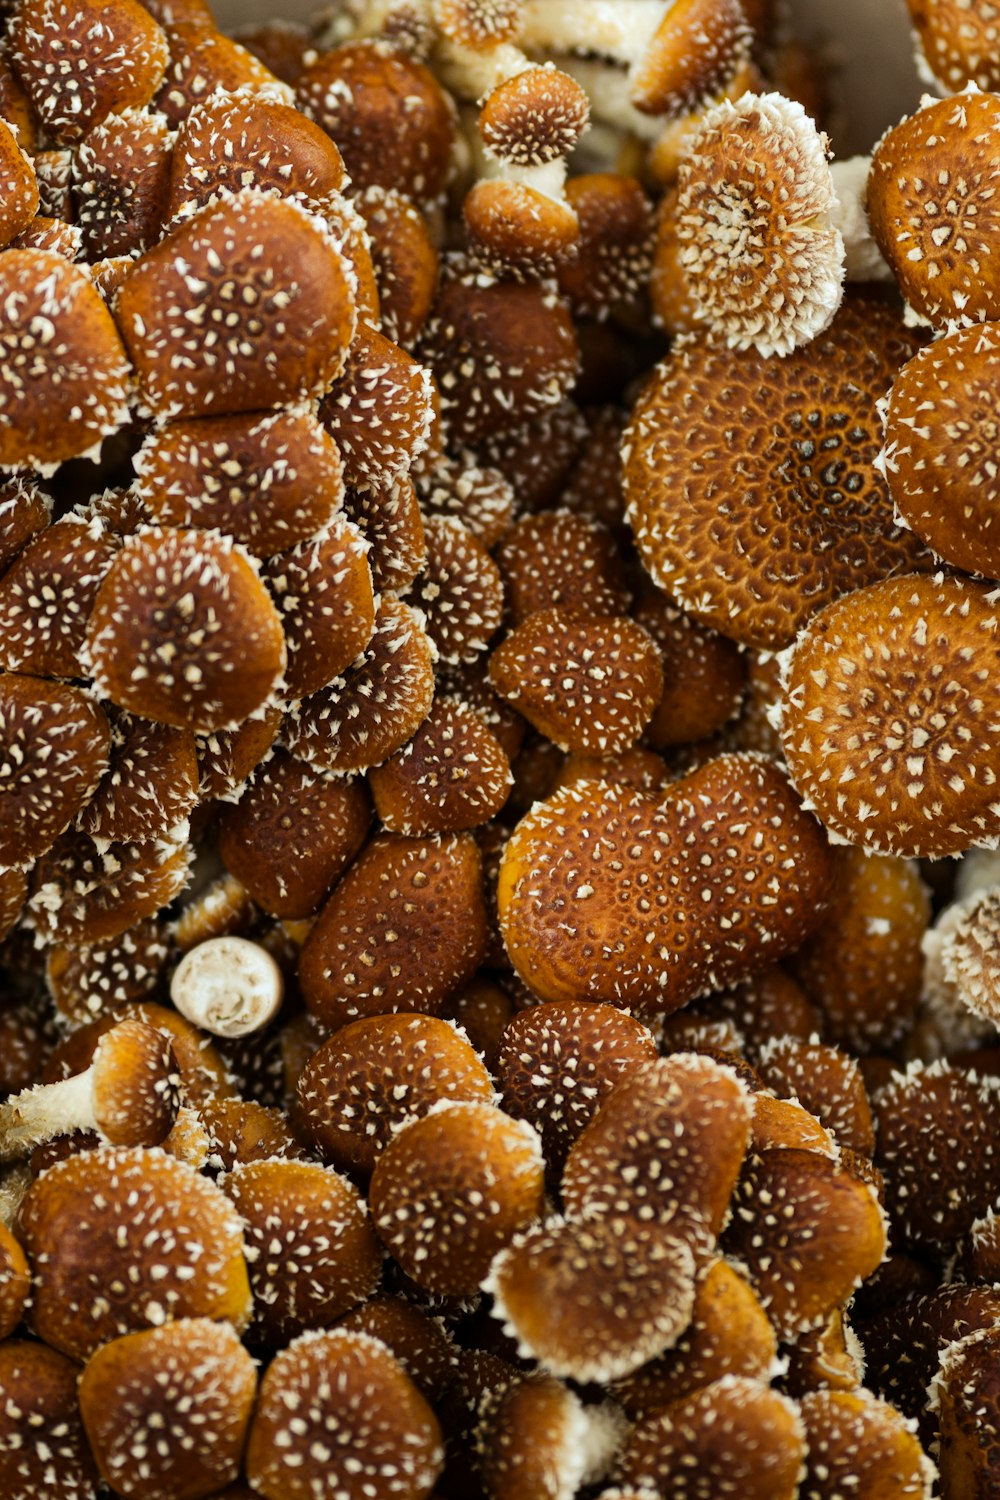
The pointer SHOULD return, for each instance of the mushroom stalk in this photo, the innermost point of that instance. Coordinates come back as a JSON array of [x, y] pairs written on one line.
[[619, 29], [228, 986], [863, 260]]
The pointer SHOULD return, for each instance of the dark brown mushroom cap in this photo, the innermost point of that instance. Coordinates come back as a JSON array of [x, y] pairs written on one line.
[[64, 240], [558, 1063], [121, 1239], [856, 1441], [735, 1434], [292, 834], [450, 1190], [558, 558], [226, 757], [405, 927], [366, 1432], [938, 459], [323, 591], [389, 517], [751, 485], [460, 591], [420, 1342], [372, 1074], [808, 1232], [891, 716], [362, 717], [481, 498], [56, 742], [47, 594], [183, 631], [24, 512], [404, 259], [273, 309], [202, 61], [607, 276], [150, 786], [827, 1082], [937, 1153], [228, 137], [18, 187], [964, 1391], [667, 1144], [593, 1299], [535, 1437], [707, 871], [483, 1011], [729, 1334], [241, 1130], [453, 774], [863, 967], [932, 210], [503, 352], [311, 1248], [167, 1410], [81, 60], [269, 479], [388, 114], [379, 409], [539, 455], [120, 182], [43, 1446], [588, 682], [15, 1283], [961, 44], [533, 117], [65, 371], [704, 674]]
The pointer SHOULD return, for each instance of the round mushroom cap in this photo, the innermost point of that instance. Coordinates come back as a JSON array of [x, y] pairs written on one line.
[[167, 1409], [18, 186], [535, 1437], [751, 483], [933, 212], [120, 175], [65, 375], [135, 1084], [891, 715], [452, 775], [83, 891], [228, 986], [960, 42], [183, 631], [120, 1239], [379, 410], [856, 1441], [762, 261], [338, 1416], [420, 1341], [203, 61], [43, 1446]]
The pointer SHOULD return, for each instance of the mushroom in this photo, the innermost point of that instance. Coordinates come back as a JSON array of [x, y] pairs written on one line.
[[120, 182], [460, 590], [43, 1446], [535, 1437], [228, 986], [957, 44], [129, 1095], [453, 774]]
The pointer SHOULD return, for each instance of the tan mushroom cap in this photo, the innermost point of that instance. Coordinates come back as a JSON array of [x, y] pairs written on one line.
[[374, 1073], [81, 60], [269, 479], [404, 929], [56, 742], [121, 1239], [751, 483], [65, 371], [167, 1410], [312, 1250], [856, 1440], [890, 716], [931, 206], [369, 1431], [379, 410], [452, 1189], [183, 631], [762, 261], [273, 301], [43, 1446], [593, 1299], [940, 418], [734, 1434], [960, 42]]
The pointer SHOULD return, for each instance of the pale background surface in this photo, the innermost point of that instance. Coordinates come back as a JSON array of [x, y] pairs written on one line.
[[875, 85]]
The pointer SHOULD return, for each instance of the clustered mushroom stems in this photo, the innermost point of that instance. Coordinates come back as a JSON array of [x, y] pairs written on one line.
[[499, 760]]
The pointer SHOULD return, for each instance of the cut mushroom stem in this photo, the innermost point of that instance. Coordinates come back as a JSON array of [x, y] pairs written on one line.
[[228, 986], [129, 1095]]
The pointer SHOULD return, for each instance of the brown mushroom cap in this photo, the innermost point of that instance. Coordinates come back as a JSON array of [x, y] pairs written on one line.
[[559, 558], [47, 594], [890, 716], [18, 186], [460, 591], [15, 1283], [593, 1299], [81, 60], [535, 1437], [450, 1190], [858, 1441], [389, 517], [751, 484], [184, 632], [202, 61], [453, 774], [120, 178], [121, 1239], [270, 479], [167, 1410], [932, 209], [827, 1082], [312, 1250], [959, 42], [65, 372], [150, 786], [366, 1432], [372, 1074], [56, 742], [273, 304], [405, 927], [43, 1446], [379, 409]]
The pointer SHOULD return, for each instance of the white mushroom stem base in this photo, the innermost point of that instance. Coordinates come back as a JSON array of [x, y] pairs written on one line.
[[46, 1110], [862, 256]]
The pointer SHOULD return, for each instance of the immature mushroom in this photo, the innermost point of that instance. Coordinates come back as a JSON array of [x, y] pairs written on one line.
[[558, 558], [825, 1081], [120, 179], [43, 1446], [17, 184], [958, 43], [228, 986], [535, 1437], [389, 517], [47, 594], [961, 973], [379, 409], [857, 1441], [453, 774], [166, 1410], [460, 590], [203, 61], [150, 786]]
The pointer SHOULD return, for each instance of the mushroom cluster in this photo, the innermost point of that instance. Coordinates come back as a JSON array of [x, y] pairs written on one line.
[[498, 654]]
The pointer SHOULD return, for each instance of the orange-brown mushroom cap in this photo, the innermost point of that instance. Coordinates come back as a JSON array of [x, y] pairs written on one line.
[[43, 1446]]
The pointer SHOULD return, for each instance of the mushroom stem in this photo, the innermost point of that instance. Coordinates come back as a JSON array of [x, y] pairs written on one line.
[[863, 258], [620, 29], [228, 986]]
